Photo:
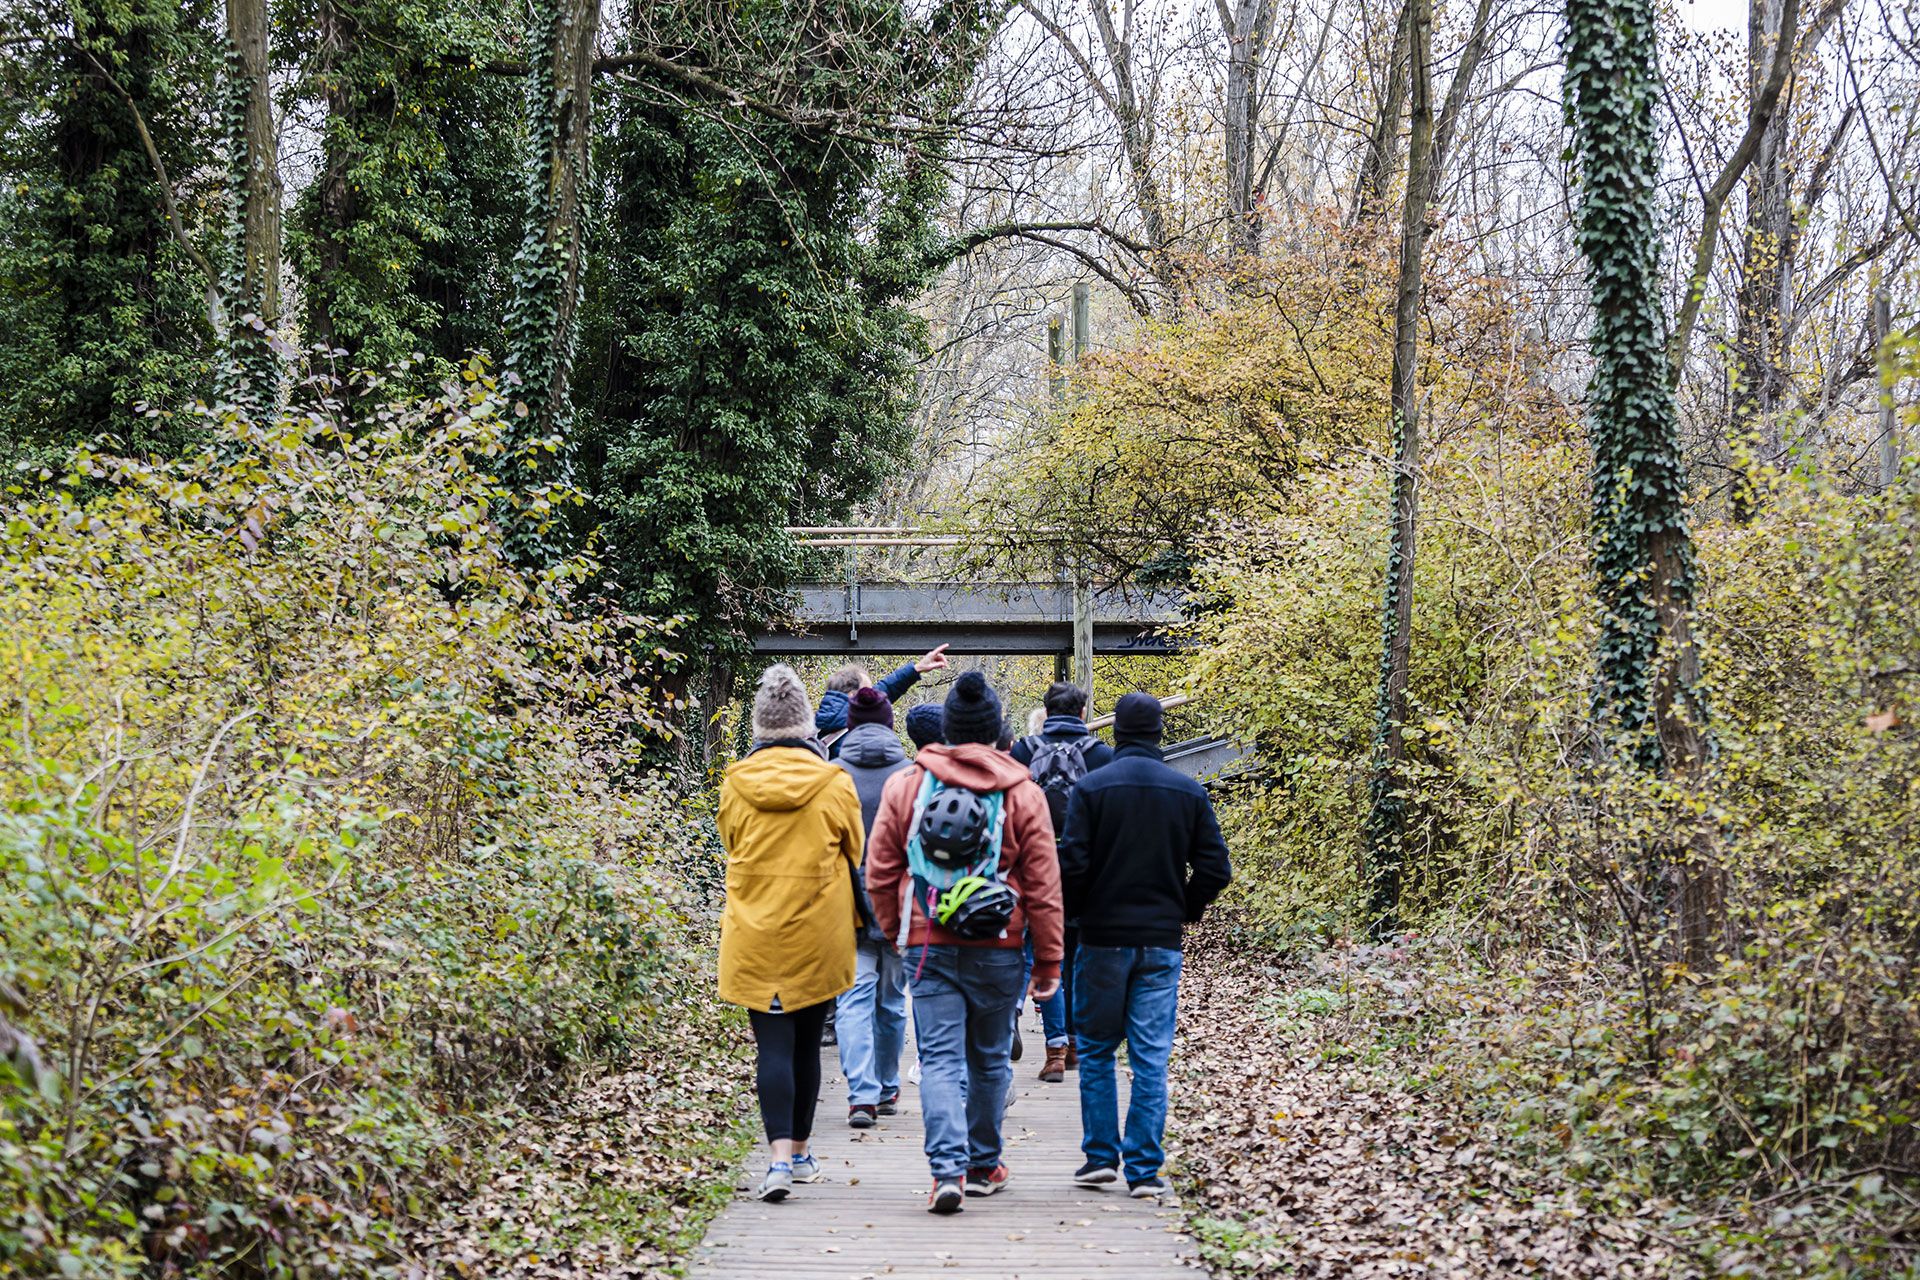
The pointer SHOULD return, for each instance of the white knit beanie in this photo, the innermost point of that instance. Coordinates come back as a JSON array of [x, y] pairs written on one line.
[[780, 706]]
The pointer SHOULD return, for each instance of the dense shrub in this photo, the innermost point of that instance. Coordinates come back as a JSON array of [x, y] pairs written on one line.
[[1548, 866], [323, 848]]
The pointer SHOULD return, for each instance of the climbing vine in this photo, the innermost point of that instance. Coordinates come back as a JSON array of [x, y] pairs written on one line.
[[749, 325], [101, 310], [1642, 549], [249, 370], [400, 238]]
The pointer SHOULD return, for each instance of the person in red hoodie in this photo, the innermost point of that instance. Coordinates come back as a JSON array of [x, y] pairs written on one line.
[[964, 990]]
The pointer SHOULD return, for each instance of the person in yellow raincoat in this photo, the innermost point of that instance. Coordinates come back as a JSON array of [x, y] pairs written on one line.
[[791, 825]]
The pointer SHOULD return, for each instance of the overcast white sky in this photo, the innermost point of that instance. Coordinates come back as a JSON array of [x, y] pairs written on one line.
[[1707, 15]]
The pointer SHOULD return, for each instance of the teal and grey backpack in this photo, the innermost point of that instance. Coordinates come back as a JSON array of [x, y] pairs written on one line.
[[953, 853]]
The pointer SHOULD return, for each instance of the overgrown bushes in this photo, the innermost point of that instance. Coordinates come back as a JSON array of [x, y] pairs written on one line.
[[325, 848], [1548, 865]]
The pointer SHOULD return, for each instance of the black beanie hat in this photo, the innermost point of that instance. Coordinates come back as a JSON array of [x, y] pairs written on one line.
[[1137, 716], [923, 724], [972, 712]]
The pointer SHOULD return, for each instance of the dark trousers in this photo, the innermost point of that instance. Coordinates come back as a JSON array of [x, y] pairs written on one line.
[[787, 1075]]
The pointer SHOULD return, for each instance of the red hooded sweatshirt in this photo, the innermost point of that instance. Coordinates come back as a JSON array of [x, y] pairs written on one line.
[[1028, 861]]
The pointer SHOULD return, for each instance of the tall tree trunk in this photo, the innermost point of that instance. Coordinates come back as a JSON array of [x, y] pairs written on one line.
[[1889, 375], [253, 287], [1383, 145], [1386, 827], [336, 204], [1642, 550], [1765, 270], [1245, 24], [1136, 135], [546, 270]]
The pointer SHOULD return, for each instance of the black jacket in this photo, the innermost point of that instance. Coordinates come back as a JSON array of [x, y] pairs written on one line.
[[1142, 854]]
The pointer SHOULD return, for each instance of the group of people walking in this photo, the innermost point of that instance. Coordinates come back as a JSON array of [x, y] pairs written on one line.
[[973, 877]]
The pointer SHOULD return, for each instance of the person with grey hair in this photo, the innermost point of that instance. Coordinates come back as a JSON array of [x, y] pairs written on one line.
[[791, 825]]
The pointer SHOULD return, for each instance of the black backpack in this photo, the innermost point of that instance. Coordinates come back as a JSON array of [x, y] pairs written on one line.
[[1054, 768]]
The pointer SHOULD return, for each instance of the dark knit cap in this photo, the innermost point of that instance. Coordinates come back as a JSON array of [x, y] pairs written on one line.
[[869, 706], [923, 724], [972, 713], [1137, 716]]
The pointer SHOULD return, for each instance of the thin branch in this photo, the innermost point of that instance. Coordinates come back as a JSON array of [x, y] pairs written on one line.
[[960, 245], [1757, 120], [1135, 298]]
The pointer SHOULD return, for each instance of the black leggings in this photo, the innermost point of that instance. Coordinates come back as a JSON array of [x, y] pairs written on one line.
[[788, 1077]]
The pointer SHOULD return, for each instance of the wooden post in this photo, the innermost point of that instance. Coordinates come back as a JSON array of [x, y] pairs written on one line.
[[1889, 423], [1082, 323], [1083, 634], [1057, 356]]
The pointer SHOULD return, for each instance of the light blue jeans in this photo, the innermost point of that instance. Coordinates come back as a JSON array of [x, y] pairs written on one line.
[[870, 1019], [963, 1022], [1129, 993]]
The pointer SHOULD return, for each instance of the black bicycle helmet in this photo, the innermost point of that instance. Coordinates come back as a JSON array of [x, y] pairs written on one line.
[[954, 829], [976, 908]]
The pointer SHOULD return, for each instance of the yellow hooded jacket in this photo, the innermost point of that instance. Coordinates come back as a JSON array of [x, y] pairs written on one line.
[[791, 824]]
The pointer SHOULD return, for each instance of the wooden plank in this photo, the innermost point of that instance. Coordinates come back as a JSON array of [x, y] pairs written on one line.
[[867, 1217]]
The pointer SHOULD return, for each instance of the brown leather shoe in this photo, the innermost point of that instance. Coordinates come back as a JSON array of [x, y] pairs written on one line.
[[1073, 1057], [1054, 1069]]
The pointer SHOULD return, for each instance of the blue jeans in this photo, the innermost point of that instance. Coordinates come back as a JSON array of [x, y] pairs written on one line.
[[871, 1021], [1053, 1010], [963, 1000], [1056, 1011], [1131, 993]]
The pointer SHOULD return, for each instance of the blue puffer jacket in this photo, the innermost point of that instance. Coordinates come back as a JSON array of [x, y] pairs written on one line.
[[831, 717]]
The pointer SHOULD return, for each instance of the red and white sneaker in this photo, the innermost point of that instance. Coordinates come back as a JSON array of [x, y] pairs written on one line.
[[946, 1196], [985, 1182]]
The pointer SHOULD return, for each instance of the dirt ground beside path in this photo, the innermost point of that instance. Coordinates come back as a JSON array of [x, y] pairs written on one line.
[[1293, 1164]]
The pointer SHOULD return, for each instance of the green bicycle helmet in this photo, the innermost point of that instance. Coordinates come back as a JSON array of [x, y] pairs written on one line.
[[977, 908]]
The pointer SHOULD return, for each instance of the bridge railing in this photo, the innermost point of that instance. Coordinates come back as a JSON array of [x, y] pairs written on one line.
[[972, 617]]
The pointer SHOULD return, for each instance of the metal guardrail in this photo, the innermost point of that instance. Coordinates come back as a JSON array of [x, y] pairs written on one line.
[[970, 617], [1204, 758]]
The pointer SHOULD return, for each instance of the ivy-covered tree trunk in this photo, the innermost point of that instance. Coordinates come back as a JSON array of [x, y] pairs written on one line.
[[546, 270], [334, 204], [106, 298], [1642, 550], [1386, 827], [253, 266]]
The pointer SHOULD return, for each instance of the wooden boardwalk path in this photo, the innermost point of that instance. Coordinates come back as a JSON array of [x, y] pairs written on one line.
[[867, 1217]]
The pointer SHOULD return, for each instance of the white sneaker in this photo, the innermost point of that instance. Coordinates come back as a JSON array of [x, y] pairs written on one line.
[[778, 1183], [913, 1072], [806, 1168]]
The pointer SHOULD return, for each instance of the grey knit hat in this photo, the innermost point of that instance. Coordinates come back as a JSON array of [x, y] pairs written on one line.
[[780, 706]]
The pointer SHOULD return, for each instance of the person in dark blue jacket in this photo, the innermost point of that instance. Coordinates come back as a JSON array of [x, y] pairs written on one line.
[[830, 718], [1066, 705], [1141, 859]]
